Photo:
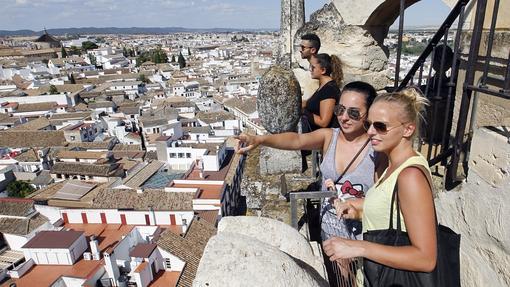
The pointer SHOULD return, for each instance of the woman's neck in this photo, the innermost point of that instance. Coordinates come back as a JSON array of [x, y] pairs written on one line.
[[324, 80], [354, 137], [400, 153]]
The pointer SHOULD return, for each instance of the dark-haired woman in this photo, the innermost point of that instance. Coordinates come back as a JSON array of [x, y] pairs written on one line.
[[318, 109], [340, 147]]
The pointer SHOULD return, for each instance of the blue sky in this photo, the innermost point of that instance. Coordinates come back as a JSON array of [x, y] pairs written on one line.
[[37, 14]]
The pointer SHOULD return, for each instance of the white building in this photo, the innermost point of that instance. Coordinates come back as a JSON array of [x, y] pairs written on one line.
[[55, 247]]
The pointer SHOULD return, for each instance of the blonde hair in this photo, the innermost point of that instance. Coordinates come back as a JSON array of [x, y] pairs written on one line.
[[411, 100]]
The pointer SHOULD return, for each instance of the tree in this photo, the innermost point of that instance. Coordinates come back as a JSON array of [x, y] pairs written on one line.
[[181, 61], [93, 60], [173, 58], [189, 52], [19, 188], [125, 52], [74, 50], [72, 79], [143, 78], [89, 45], [53, 90], [64, 53]]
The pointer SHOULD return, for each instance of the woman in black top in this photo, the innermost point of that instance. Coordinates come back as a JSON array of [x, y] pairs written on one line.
[[318, 109]]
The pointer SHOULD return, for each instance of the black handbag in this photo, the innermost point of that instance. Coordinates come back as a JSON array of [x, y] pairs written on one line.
[[446, 273]]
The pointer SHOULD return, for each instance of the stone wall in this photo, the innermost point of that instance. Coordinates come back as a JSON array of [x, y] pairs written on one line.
[[253, 251], [479, 210], [364, 58]]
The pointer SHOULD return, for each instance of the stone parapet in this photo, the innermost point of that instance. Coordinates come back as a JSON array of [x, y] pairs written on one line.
[[252, 251]]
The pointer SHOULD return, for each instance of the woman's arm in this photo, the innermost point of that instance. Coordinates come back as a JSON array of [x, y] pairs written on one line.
[[327, 107], [417, 208], [286, 141]]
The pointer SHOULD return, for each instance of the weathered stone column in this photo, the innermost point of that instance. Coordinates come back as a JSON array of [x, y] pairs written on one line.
[[292, 18]]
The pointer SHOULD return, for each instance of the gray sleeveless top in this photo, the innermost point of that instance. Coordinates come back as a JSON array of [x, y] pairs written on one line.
[[354, 184]]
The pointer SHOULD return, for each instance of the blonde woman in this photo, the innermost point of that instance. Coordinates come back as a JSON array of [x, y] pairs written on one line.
[[392, 122]]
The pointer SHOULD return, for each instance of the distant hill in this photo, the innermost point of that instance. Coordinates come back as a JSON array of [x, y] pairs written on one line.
[[132, 30]]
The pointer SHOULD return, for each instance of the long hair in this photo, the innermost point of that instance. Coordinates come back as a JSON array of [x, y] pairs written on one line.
[[332, 65]]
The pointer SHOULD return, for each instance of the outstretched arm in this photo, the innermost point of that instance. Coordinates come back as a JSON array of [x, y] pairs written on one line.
[[286, 141], [417, 207]]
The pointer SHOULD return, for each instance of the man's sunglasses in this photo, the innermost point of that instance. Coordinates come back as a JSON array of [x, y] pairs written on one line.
[[379, 127], [352, 113]]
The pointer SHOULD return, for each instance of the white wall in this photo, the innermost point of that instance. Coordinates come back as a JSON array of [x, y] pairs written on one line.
[[176, 264], [21, 269], [61, 99], [143, 277], [15, 241]]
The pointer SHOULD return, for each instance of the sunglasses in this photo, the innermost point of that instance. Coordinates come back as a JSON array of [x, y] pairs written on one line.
[[379, 127], [352, 113], [303, 47]]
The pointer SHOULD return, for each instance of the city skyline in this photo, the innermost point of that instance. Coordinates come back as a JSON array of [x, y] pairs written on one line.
[[240, 14]]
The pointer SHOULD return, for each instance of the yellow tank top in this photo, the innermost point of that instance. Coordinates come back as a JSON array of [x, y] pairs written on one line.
[[376, 207]]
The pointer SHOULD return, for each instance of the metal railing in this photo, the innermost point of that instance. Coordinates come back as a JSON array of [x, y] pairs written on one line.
[[442, 145]]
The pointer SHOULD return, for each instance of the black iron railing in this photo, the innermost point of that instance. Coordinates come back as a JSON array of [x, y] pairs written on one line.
[[442, 145]]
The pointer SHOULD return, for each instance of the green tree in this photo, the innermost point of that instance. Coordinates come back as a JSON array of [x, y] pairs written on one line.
[[143, 78], [125, 52], [181, 61], [73, 50], [64, 53], [189, 52], [93, 60], [88, 45], [173, 58], [19, 189], [53, 90]]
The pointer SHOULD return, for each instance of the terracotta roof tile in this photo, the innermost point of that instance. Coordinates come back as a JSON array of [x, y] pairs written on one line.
[[18, 139]]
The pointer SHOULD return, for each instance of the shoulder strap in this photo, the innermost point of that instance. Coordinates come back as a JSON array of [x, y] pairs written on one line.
[[394, 198], [352, 161]]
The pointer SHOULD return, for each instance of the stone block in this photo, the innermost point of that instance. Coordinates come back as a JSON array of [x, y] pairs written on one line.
[[479, 212], [272, 232], [232, 259], [275, 161], [279, 100], [490, 158]]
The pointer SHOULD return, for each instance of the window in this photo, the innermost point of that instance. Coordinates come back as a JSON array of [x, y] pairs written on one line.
[[168, 263], [188, 155], [180, 155], [173, 155]]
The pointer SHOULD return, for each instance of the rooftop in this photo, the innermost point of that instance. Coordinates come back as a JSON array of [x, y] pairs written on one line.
[[188, 248], [16, 206], [78, 168], [142, 250], [53, 239], [130, 199], [18, 139]]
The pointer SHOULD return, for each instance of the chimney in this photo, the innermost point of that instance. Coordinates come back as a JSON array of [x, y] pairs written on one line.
[[94, 248], [184, 225], [110, 264], [200, 166]]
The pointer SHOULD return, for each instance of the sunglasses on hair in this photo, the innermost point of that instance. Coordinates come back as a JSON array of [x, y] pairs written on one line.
[[352, 113], [380, 127]]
